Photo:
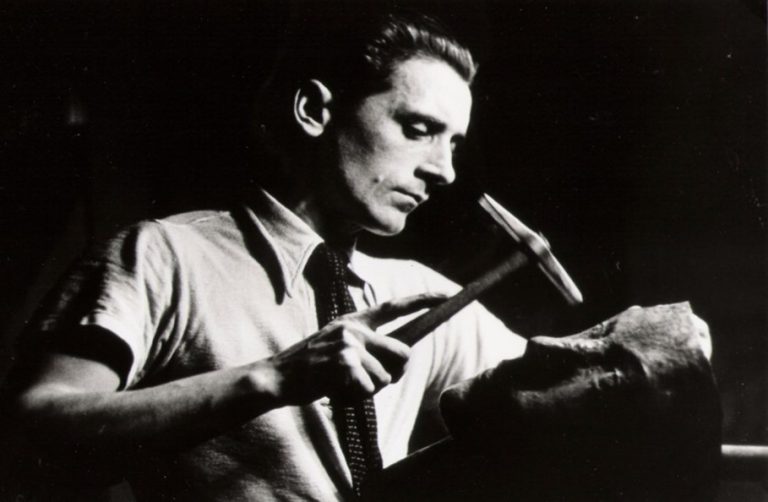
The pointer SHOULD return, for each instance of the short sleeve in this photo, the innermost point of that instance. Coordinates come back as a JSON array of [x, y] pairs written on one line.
[[124, 286]]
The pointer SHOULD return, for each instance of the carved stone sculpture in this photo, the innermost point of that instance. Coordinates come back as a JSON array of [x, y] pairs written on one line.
[[627, 410]]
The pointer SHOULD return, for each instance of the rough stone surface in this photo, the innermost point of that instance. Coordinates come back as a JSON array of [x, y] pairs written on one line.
[[626, 410]]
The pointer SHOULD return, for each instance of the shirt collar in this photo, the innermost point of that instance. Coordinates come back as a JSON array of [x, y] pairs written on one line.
[[291, 239], [362, 267]]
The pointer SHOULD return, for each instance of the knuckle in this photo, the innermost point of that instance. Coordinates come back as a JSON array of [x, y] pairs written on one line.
[[334, 329], [342, 332], [349, 358], [349, 339]]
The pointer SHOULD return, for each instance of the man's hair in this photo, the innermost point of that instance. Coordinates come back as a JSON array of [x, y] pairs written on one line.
[[352, 48]]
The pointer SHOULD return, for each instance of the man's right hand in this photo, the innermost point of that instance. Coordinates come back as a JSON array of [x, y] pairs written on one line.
[[73, 402], [346, 359]]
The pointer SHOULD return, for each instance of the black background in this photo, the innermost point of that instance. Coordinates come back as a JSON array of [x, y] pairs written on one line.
[[631, 133]]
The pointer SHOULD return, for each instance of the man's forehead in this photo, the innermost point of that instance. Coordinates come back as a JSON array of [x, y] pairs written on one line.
[[432, 88]]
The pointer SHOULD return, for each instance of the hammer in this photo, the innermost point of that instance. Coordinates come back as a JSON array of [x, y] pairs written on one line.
[[532, 249]]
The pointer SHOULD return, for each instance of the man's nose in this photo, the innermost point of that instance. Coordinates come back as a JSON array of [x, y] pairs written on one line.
[[438, 167]]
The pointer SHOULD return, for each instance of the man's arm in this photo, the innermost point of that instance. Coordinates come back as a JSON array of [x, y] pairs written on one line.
[[72, 404]]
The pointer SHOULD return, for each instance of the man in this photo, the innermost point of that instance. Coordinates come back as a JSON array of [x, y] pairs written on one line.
[[187, 351]]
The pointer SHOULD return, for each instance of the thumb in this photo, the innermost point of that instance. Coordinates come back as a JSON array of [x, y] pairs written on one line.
[[391, 310]]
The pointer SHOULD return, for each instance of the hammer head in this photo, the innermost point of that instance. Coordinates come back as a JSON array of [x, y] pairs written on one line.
[[534, 247]]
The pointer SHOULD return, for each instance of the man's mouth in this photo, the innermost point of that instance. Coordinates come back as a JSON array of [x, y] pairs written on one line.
[[418, 198]]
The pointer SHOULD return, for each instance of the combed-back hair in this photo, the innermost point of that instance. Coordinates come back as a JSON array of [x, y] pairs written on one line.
[[352, 48]]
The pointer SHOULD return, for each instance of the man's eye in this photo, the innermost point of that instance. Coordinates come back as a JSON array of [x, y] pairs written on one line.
[[416, 130]]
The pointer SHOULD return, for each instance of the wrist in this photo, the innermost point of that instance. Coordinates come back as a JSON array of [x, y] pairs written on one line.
[[263, 383]]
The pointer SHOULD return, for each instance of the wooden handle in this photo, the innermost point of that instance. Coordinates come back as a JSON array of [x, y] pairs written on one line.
[[418, 328]]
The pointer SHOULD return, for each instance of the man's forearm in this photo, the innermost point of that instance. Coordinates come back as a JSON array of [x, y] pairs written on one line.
[[72, 404], [65, 417]]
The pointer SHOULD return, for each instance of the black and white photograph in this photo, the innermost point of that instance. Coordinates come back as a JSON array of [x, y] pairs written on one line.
[[383, 250]]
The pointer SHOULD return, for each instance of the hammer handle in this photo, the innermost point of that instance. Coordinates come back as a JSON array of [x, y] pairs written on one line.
[[416, 329]]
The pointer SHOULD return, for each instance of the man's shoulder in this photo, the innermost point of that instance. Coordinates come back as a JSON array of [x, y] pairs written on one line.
[[205, 224], [170, 237], [199, 219], [179, 222]]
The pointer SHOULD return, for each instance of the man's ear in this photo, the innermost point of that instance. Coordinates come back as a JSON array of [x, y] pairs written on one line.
[[311, 107]]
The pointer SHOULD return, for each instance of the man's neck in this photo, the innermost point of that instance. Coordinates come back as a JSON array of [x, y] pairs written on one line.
[[339, 234]]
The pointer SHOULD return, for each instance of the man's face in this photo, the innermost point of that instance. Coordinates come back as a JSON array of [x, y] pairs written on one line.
[[396, 146]]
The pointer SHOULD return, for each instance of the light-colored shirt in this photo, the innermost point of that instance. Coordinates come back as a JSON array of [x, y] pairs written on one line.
[[208, 290]]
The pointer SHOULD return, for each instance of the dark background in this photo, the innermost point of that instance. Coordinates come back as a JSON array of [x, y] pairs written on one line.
[[631, 133]]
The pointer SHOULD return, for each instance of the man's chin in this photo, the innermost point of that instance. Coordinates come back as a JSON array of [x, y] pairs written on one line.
[[385, 232], [386, 227]]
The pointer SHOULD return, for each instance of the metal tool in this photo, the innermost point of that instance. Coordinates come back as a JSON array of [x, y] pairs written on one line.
[[531, 248]]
